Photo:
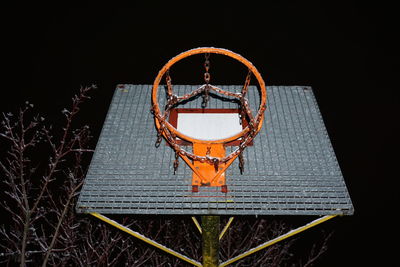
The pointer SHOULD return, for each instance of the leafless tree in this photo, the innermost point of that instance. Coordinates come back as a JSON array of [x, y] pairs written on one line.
[[36, 214], [41, 173]]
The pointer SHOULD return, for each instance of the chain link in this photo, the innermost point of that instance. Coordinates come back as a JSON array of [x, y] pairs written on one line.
[[176, 162], [169, 84], [159, 139], [207, 76], [241, 163], [205, 96], [246, 83]]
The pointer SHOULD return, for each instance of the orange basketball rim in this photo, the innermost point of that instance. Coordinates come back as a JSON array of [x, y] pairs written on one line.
[[208, 159]]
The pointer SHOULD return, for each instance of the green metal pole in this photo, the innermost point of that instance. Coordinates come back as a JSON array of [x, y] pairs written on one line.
[[210, 234]]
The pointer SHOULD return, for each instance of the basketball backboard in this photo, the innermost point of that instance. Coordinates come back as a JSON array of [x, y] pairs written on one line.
[[290, 170]]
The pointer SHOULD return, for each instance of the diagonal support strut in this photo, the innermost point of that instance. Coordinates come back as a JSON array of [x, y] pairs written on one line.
[[145, 239], [278, 239], [226, 227]]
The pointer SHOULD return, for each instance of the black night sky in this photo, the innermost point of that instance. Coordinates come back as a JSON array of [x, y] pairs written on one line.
[[342, 50]]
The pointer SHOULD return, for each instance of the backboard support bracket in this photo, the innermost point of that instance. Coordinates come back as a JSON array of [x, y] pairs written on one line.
[[211, 175]]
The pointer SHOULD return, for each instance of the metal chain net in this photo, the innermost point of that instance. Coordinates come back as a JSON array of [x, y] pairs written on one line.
[[173, 100]]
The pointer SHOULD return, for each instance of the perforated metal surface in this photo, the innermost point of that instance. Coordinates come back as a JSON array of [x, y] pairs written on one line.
[[290, 170]]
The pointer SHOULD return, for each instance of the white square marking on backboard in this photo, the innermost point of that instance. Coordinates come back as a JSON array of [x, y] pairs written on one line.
[[209, 126]]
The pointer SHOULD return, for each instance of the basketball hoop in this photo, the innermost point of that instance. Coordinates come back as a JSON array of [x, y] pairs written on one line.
[[208, 161]]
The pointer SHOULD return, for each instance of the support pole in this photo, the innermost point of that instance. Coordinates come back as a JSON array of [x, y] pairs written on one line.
[[210, 235]]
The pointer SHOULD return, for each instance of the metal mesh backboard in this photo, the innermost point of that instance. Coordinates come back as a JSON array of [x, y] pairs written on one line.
[[290, 169]]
